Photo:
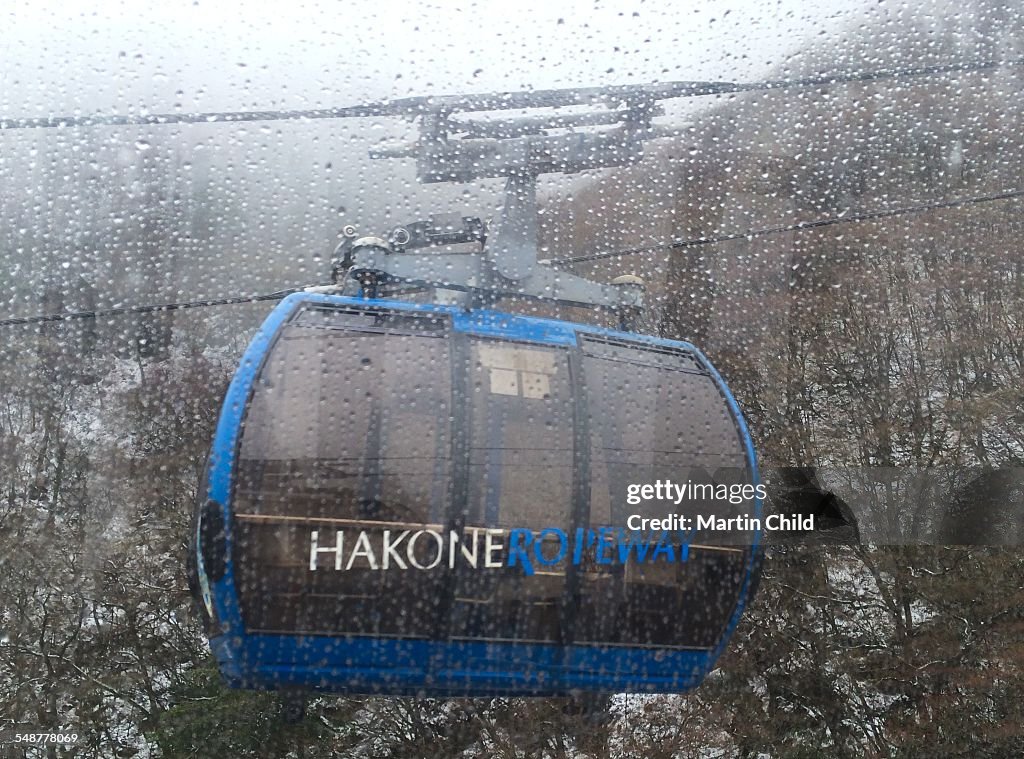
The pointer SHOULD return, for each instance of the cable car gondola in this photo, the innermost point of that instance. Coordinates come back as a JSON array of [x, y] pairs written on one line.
[[446, 498]]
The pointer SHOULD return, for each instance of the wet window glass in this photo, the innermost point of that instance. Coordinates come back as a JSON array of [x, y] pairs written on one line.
[[562, 378]]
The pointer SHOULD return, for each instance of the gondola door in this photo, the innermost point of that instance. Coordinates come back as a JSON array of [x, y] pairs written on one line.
[[518, 422]]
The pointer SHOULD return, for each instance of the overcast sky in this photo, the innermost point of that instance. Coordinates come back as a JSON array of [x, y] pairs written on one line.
[[286, 188], [212, 55]]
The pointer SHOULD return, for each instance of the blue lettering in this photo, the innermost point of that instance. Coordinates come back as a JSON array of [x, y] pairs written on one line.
[[633, 543], [577, 551], [664, 547], [684, 548], [517, 549], [604, 540], [563, 546]]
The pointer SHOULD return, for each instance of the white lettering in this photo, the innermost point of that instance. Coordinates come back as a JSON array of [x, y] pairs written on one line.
[[467, 554], [410, 549], [314, 549], [491, 547], [389, 553], [364, 549]]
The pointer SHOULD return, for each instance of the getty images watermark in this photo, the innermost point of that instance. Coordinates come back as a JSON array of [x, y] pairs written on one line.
[[664, 539]]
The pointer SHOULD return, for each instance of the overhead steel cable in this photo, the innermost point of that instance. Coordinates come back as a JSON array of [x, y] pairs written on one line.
[[672, 244], [157, 119], [795, 227], [148, 308], [414, 106]]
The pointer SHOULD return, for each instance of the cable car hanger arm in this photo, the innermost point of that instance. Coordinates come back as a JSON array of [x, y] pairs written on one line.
[[373, 263], [415, 106]]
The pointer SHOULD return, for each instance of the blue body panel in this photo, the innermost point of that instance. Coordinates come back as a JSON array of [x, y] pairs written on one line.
[[426, 667]]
